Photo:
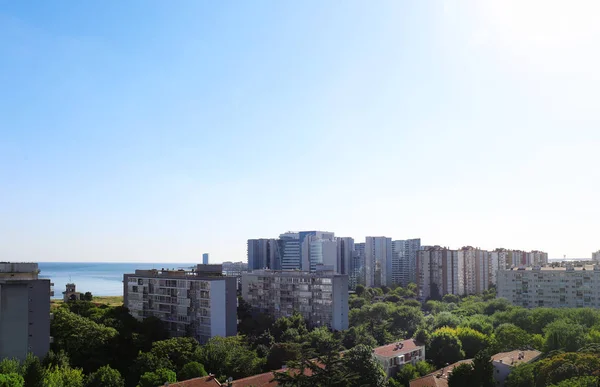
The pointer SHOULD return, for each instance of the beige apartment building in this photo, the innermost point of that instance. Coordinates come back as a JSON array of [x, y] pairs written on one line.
[[569, 286], [200, 303], [321, 296]]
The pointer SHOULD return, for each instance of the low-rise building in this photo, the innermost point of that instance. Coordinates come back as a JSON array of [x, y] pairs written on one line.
[[321, 296], [393, 357], [503, 362], [554, 287], [200, 303], [24, 311]]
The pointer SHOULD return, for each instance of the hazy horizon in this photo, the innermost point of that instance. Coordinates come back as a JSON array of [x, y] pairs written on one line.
[[148, 130]]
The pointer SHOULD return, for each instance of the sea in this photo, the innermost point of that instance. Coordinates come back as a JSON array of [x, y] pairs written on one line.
[[101, 279]]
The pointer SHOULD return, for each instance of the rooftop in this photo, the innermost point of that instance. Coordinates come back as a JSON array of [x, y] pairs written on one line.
[[438, 378], [204, 381], [395, 349], [555, 268], [516, 357], [294, 273]]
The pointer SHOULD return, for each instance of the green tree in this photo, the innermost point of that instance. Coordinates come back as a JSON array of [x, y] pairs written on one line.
[[158, 378], [360, 290], [445, 347], [521, 376], [178, 351], [510, 337], [88, 296], [406, 320], [10, 366], [105, 377], [282, 353], [472, 341], [191, 370], [446, 319], [407, 373], [229, 357], [462, 375], [368, 372], [87, 343], [563, 334], [483, 370], [357, 335], [580, 381], [12, 379], [63, 377], [32, 371]]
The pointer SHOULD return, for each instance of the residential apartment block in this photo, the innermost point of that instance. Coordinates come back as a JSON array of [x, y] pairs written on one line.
[[200, 303], [554, 287], [404, 261], [393, 357], [465, 271], [320, 296], [24, 311], [596, 256]]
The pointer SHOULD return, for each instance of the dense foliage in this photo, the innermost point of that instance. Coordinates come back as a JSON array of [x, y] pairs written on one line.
[[98, 345]]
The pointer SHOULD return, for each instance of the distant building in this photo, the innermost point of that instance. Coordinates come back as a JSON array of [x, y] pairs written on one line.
[[321, 296], [404, 261], [378, 261], [596, 256], [345, 254], [393, 357], [200, 303], [71, 294], [357, 274], [554, 287], [235, 269], [24, 311], [263, 254], [205, 259]]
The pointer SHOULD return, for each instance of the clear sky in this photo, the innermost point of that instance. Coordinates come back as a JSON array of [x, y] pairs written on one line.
[[159, 130]]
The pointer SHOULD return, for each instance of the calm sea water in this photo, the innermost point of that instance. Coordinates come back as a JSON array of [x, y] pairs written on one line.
[[102, 279]]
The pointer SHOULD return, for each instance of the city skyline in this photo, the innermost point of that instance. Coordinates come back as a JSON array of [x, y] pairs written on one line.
[[145, 131]]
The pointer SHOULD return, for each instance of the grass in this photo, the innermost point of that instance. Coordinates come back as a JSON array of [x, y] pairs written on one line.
[[108, 300]]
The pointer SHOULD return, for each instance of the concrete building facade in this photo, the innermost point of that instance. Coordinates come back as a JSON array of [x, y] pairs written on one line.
[[321, 296], [200, 303], [24, 311], [404, 261], [554, 287], [263, 254]]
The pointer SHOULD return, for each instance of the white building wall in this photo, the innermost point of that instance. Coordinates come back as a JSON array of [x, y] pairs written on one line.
[[218, 309]]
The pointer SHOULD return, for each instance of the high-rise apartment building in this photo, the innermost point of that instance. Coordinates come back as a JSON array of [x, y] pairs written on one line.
[[200, 303], [438, 272], [205, 259], [378, 261], [321, 296], [571, 287], [404, 261], [465, 271], [596, 256], [476, 270], [24, 311]]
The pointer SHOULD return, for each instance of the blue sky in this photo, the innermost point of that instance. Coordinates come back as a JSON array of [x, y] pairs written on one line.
[[154, 130]]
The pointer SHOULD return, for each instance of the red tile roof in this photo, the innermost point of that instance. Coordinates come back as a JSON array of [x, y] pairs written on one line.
[[203, 381], [395, 349], [438, 378]]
